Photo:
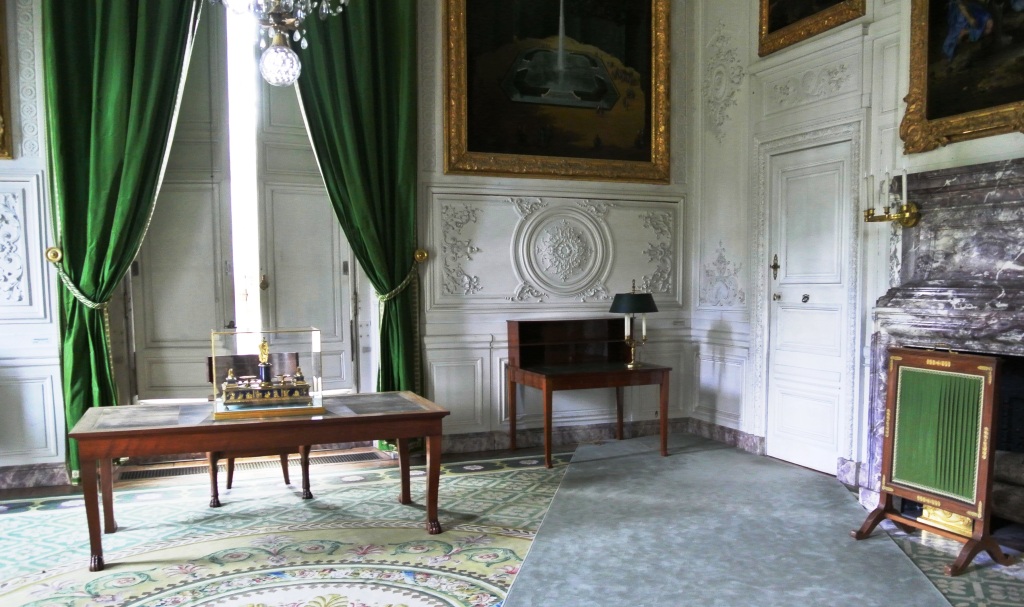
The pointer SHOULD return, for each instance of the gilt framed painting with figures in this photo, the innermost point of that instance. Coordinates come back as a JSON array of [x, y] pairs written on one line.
[[572, 89], [966, 72]]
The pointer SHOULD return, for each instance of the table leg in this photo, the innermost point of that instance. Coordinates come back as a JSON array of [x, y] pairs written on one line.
[[107, 490], [663, 412], [511, 413], [403, 464], [284, 467], [304, 465], [547, 426], [619, 391], [433, 480], [211, 462], [92, 514]]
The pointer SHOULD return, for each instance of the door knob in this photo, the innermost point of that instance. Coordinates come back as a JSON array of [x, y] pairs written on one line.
[[775, 267], [806, 298], [776, 296]]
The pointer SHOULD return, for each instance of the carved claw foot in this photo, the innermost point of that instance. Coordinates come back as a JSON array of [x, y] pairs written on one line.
[[434, 527], [215, 502]]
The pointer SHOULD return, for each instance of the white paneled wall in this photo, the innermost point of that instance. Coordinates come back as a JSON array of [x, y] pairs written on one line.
[[698, 243], [31, 405]]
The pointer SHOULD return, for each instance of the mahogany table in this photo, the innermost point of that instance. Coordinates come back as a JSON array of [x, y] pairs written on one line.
[[106, 433], [549, 378]]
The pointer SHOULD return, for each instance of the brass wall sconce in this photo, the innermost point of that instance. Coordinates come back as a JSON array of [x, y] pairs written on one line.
[[908, 214], [631, 304]]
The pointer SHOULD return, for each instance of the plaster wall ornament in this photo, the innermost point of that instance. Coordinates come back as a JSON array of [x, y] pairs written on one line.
[[456, 250], [597, 209], [723, 74], [12, 260], [721, 284], [813, 85], [560, 251], [527, 206], [658, 253], [25, 81], [527, 292]]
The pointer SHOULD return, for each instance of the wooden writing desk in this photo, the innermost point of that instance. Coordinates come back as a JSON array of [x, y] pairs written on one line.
[[105, 433], [577, 354]]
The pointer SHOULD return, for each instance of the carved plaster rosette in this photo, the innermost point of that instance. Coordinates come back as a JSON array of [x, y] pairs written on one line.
[[722, 77], [12, 262], [721, 286], [560, 251]]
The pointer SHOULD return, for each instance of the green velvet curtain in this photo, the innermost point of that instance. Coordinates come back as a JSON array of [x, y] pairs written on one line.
[[113, 72], [358, 94]]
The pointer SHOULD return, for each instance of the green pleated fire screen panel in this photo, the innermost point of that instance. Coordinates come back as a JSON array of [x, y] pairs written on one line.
[[938, 431]]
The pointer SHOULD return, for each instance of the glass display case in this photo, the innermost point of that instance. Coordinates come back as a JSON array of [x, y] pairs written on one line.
[[266, 373]]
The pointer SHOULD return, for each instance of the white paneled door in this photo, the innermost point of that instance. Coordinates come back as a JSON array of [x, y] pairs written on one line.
[[809, 248]]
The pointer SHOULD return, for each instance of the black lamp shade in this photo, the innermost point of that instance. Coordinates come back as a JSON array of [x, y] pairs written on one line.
[[633, 303]]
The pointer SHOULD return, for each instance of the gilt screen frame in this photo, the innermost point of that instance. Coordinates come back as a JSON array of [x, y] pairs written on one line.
[[986, 368]]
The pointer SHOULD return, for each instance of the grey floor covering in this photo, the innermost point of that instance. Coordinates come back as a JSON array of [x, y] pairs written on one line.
[[708, 525]]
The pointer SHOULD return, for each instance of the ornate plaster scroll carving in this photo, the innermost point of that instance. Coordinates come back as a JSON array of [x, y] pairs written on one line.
[[12, 260], [527, 292], [721, 282], [25, 81], [456, 250], [658, 253], [598, 209], [560, 250], [812, 85], [527, 206], [723, 74]]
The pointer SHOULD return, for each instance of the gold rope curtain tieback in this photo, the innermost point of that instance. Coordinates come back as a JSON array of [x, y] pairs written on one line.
[[56, 256], [418, 257]]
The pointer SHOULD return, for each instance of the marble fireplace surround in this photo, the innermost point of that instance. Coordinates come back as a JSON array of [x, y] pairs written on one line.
[[960, 283]]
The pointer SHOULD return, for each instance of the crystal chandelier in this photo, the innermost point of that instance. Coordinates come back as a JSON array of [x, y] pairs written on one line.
[[279, 20]]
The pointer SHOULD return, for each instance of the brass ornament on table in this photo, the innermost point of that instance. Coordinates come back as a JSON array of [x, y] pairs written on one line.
[[262, 382]]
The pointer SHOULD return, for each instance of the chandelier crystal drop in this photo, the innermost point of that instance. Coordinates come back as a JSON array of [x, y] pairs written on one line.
[[278, 21]]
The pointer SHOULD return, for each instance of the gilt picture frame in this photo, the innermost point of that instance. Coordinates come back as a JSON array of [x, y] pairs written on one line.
[[965, 82], [576, 89], [786, 22], [6, 138]]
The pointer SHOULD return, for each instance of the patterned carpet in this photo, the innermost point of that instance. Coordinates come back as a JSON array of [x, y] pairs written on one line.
[[353, 545], [984, 584]]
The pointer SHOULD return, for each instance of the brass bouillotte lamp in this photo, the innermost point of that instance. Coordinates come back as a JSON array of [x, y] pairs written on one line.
[[630, 304]]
